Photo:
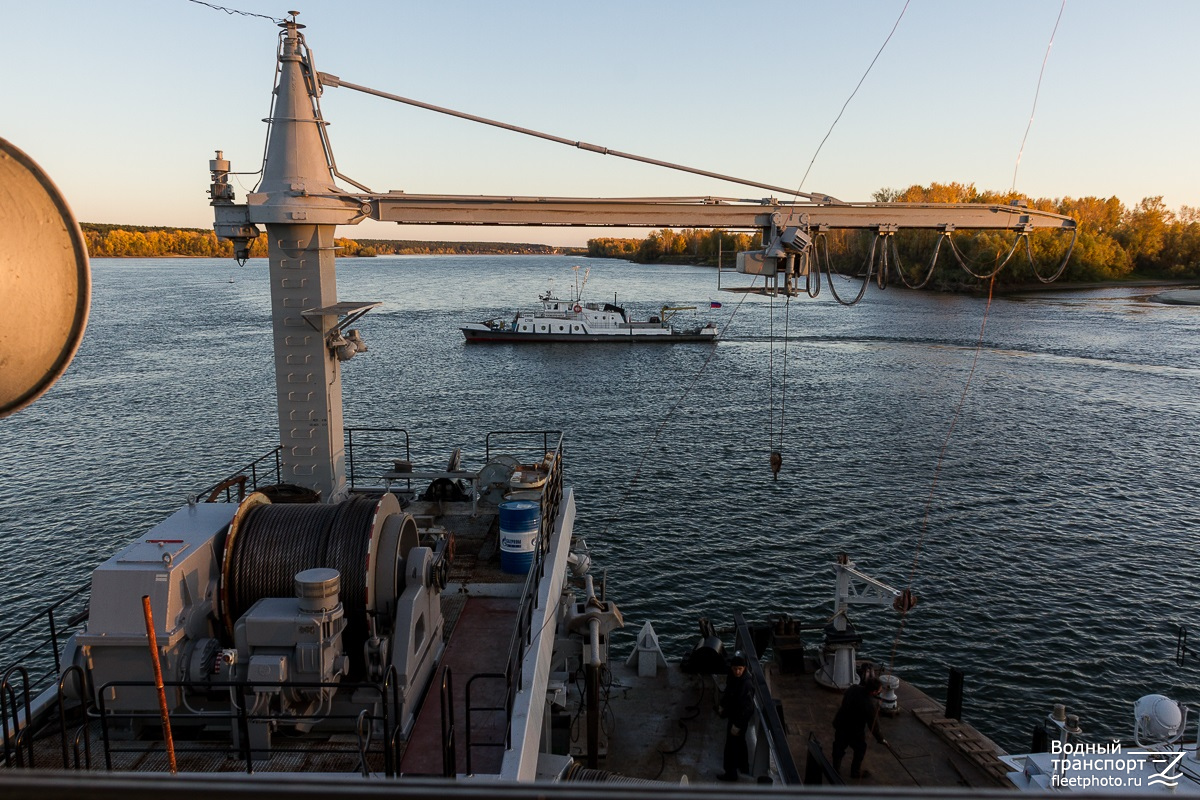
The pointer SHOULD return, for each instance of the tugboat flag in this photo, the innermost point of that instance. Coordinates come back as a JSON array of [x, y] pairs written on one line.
[[714, 304]]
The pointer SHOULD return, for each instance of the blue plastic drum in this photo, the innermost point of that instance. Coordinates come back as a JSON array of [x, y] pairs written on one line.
[[519, 524]]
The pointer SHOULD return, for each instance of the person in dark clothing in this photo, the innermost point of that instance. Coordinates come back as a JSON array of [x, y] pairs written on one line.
[[858, 713], [737, 706]]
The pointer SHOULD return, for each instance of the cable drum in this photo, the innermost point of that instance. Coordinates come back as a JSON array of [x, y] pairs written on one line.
[[273, 543], [346, 549], [268, 544]]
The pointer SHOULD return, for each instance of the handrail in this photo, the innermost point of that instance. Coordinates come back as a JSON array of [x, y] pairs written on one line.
[[8, 699], [244, 715], [506, 708], [776, 735], [226, 483], [817, 767], [49, 612], [351, 471], [449, 751], [80, 676]]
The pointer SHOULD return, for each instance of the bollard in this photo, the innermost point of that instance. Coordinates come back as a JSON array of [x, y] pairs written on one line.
[[954, 694]]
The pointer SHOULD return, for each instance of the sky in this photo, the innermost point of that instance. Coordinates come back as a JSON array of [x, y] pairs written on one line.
[[123, 102]]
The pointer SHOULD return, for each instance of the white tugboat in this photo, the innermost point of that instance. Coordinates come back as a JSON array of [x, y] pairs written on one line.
[[575, 321]]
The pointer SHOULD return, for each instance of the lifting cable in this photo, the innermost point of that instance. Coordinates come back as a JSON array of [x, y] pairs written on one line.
[[776, 451], [771, 388], [962, 399], [670, 414]]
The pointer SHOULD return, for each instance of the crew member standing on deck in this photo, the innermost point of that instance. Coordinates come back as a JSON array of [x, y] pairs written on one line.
[[737, 706], [858, 713]]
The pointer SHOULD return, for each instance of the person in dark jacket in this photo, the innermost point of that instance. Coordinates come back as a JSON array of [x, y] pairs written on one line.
[[858, 713], [737, 706]]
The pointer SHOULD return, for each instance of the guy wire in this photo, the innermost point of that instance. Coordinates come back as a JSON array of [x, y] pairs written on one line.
[[1036, 92]]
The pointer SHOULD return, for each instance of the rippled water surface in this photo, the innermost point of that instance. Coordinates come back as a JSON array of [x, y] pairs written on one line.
[[1053, 552]]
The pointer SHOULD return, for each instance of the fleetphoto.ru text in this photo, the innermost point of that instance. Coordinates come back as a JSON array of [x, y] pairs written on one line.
[[1106, 766]]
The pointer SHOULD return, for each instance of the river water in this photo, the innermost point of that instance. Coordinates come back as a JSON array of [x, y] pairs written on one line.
[[1050, 544]]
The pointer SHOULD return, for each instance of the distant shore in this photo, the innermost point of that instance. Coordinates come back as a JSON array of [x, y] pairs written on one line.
[[1176, 292], [1136, 283]]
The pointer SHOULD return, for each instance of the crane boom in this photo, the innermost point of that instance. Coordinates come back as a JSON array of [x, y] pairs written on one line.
[[704, 212]]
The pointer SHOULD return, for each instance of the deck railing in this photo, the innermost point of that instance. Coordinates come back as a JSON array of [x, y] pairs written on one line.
[[262, 471], [240, 713], [777, 743]]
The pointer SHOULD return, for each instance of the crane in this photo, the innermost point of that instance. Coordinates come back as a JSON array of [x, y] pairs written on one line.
[[300, 203]]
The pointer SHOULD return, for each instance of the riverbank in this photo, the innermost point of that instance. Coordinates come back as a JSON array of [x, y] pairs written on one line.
[[1176, 292]]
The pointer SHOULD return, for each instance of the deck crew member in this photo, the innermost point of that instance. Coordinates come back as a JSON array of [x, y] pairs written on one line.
[[858, 713], [737, 706]]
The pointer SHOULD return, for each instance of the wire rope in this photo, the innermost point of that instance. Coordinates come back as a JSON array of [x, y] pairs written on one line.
[[851, 97], [1037, 91], [771, 373], [937, 471], [276, 541], [787, 309]]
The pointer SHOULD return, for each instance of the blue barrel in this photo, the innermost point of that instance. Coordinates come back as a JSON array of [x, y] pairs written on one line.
[[519, 523]]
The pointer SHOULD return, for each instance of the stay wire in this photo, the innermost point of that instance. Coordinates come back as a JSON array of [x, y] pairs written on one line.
[[851, 97], [1036, 92], [962, 399], [276, 20]]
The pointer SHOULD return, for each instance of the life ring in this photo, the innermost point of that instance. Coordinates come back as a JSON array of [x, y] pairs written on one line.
[[578, 308]]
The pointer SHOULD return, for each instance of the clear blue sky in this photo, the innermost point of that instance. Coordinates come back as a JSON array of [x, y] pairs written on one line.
[[124, 101]]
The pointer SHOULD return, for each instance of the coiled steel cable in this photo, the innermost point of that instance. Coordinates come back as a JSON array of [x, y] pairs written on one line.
[[278, 541]]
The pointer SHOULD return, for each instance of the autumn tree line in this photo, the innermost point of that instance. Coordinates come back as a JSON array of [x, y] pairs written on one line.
[[132, 241], [1148, 241]]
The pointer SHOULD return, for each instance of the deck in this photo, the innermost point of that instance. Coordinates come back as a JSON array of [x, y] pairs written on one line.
[[924, 748], [670, 731]]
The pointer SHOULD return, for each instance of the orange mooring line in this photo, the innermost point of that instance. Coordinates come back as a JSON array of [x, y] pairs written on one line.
[[152, 640]]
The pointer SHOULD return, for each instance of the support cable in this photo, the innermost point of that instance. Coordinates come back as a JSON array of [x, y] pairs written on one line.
[[334, 81], [1036, 92]]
